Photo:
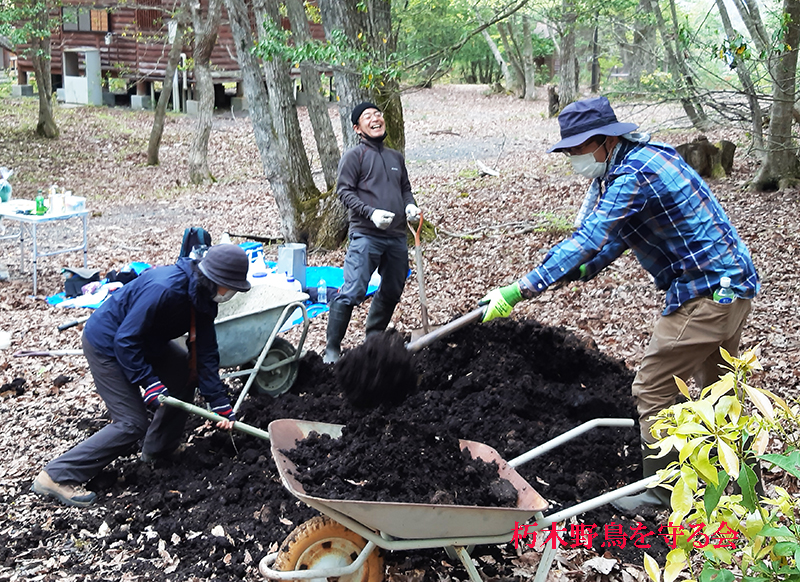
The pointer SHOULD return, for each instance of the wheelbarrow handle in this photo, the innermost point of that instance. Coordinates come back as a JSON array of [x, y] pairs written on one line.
[[471, 317], [213, 416]]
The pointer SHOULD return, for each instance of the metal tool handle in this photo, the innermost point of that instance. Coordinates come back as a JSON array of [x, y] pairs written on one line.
[[423, 297], [213, 416], [73, 323], [445, 330]]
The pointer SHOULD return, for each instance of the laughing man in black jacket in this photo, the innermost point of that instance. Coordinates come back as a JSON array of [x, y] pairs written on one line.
[[373, 185]]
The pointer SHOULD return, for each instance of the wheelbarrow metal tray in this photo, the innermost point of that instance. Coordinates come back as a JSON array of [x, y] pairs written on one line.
[[244, 323], [409, 520]]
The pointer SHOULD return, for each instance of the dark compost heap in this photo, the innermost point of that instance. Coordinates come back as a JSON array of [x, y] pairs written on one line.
[[511, 385], [397, 461]]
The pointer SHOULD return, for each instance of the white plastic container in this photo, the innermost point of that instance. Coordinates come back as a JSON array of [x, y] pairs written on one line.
[[292, 260]]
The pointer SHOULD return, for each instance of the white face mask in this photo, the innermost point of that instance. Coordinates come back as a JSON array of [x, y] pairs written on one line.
[[587, 166], [223, 297]]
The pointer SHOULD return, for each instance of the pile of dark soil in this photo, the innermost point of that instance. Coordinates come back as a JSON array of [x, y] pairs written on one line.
[[397, 461], [510, 385]]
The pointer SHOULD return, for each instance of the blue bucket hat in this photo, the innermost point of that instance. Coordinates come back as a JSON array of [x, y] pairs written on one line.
[[583, 119]]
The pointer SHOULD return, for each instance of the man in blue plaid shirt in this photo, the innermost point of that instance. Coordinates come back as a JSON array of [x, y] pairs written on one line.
[[646, 198]]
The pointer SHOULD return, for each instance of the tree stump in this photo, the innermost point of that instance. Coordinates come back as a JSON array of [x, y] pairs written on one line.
[[708, 160]]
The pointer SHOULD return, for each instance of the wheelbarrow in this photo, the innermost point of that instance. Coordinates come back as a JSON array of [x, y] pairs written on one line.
[[341, 542], [247, 330]]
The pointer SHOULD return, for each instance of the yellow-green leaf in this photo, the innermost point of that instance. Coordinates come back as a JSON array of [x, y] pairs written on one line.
[[676, 563], [705, 409], [762, 440], [681, 499], [684, 389], [704, 467], [760, 401], [728, 458], [689, 476], [652, 568], [727, 356], [723, 386], [689, 448], [690, 428]]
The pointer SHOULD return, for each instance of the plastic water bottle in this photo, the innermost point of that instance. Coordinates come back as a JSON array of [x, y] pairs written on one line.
[[724, 294], [322, 292]]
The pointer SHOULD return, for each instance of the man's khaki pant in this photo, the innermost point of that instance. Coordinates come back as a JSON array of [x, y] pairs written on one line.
[[686, 343]]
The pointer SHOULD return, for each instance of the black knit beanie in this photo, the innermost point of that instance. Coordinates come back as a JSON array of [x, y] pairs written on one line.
[[361, 108]]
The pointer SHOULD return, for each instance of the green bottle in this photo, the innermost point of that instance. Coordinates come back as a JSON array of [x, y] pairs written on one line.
[[724, 294], [40, 207]]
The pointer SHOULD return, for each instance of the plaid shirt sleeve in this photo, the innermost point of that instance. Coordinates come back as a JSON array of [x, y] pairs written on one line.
[[621, 200], [658, 206]]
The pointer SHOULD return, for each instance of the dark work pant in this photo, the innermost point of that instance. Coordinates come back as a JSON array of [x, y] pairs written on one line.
[[129, 418], [364, 255]]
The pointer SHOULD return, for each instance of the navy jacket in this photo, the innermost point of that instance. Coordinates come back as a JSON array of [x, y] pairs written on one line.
[[373, 177], [136, 323]]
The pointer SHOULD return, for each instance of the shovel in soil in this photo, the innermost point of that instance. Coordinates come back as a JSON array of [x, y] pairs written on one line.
[[381, 370], [423, 300]]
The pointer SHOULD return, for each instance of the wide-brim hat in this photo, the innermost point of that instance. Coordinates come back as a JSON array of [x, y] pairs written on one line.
[[226, 265], [584, 119]]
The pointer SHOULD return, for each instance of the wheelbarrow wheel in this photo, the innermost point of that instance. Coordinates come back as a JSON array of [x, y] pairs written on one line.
[[278, 381], [324, 543]]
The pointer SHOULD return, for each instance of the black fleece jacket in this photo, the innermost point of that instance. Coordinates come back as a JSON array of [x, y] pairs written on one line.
[[371, 177]]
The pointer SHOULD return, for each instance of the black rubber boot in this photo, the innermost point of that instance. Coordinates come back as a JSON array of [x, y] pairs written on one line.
[[656, 497], [379, 316], [338, 319]]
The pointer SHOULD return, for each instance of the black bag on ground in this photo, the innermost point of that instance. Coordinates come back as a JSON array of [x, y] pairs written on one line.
[[77, 278], [123, 276], [193, 237]]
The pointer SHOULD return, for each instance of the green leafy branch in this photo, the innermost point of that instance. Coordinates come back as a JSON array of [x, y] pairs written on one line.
[[720, 438], [337, 54]]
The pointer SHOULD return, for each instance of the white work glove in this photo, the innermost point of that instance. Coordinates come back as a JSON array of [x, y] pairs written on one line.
[[382, 218], [412, 212]]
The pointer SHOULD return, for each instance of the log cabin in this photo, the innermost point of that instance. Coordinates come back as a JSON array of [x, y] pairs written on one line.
[[132, 39]]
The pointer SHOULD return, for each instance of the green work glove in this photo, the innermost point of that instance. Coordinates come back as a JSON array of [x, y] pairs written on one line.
[[499, 302]]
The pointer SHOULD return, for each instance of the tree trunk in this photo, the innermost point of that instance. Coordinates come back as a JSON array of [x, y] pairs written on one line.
[[682, 81], [382, 39], [306, 215], [595, 83], [317, 107], [751, 16], [507, 82], [701, 120], [642, 59], [46, 126], [169, 76], [527, 59], [205, 37], [566, 82], [748, 86], [780, 168], [344, 15], [518, 75]]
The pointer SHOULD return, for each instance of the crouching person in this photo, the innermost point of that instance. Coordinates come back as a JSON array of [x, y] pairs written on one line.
[[129, 342]]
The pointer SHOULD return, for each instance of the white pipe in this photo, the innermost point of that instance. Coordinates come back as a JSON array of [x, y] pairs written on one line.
[[569, 435]]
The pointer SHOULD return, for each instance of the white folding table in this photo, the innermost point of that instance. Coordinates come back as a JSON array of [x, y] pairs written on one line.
[[14, 210]]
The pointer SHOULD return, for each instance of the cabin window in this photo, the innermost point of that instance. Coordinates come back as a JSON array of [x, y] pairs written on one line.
[[149, 19], [78, 19]]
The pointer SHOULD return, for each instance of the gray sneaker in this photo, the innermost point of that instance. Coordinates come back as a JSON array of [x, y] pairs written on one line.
[[68, 494]]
